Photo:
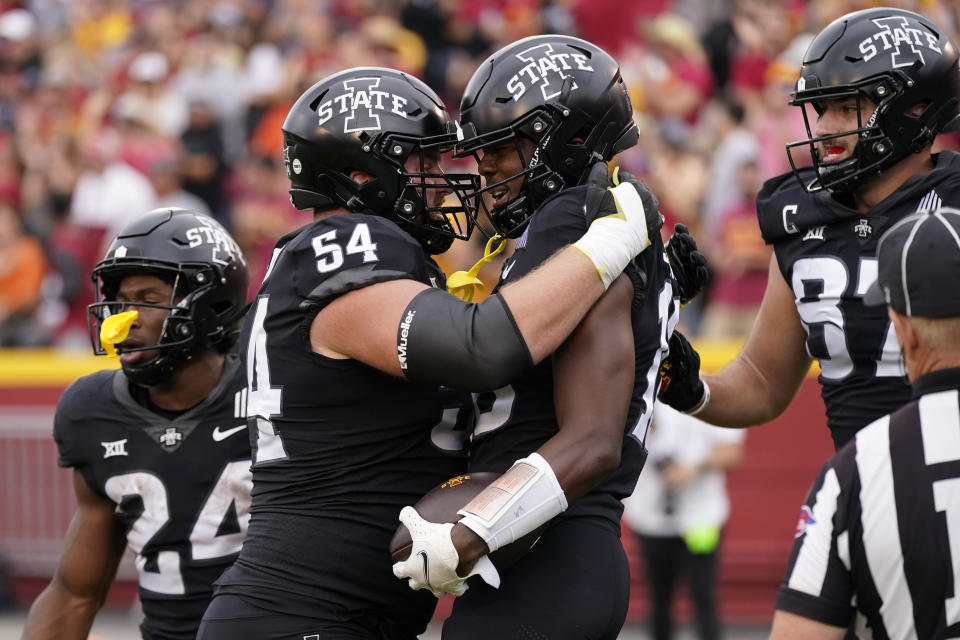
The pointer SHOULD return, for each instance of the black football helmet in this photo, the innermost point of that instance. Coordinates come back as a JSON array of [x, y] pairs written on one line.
[[372, 119], [566, 95], [905, 65], [194, 254]]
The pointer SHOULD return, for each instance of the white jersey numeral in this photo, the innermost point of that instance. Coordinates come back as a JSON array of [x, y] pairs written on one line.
[[329, 253], [232, 489], [818, 285], [668, 315], [825, 277], [494, 414], [446, 435], [264, 401]]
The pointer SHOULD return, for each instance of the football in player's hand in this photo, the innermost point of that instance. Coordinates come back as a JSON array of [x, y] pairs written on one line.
[[441, 504]]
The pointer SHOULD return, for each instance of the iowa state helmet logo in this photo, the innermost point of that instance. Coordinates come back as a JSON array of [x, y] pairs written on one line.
[[364, 102], [904, 43], [545, 68]]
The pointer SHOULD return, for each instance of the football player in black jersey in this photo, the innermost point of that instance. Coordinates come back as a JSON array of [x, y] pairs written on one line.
[[877, 86], [876, 544], [159, 448], [540, 116], [349, 340]]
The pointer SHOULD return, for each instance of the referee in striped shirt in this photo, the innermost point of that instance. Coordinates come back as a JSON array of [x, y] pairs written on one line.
[[878, 539]]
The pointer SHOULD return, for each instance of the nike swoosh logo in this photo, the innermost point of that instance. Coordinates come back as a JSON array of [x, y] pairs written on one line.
[[219, 435], [426, 573], [506, 271]]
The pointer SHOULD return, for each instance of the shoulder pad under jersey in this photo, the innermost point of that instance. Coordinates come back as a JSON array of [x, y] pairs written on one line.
[[784, 208], [345, 252], [74, 428]]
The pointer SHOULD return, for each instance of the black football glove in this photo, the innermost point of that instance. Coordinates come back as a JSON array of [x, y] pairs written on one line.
[[651, 204], [688, 264], [680, 384], [600, 201]]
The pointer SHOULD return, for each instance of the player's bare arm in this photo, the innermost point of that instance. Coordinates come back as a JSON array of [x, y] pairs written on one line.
[[592, 409], [760, 383], [546, 306], [92, 551], [790, 626], [582, 452], [539, 311]]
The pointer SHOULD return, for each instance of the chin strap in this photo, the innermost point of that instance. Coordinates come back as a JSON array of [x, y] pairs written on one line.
[[465, 284], [115, 329]]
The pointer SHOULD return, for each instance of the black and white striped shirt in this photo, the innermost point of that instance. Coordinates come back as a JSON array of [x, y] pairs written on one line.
[[879, 534]]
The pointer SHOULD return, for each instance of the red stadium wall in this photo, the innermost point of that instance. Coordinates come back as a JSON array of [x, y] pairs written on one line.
[[766, 491], [782, 458]]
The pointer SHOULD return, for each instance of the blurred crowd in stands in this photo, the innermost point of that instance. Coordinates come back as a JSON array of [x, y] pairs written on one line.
[[110, 108]]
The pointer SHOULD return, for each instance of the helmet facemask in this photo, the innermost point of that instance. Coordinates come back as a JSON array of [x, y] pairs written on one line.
[[375, 120], [897, 60], [540, 181], [187, 329], [565, 95], [874, 151], [434, 225]]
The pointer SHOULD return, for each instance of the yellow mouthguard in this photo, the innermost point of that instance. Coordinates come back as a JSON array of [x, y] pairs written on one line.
[[465, 284], [114, 330]]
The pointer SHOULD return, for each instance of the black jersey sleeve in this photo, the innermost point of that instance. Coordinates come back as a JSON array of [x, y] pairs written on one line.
[[785, 209], [558, 222], [345, 252], [73, 443]]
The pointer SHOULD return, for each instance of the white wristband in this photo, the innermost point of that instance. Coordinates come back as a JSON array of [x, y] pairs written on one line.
[[518, 502], [703, 401], [612, 241]]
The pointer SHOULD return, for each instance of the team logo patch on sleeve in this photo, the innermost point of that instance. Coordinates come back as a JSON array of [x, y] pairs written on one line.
[[806, 519], [115, 448]]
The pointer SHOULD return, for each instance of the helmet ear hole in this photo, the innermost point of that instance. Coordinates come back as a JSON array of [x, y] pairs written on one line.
[[917, 110]]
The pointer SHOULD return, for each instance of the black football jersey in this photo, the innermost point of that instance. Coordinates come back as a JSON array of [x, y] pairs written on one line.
[[181, 486], [338, 447], [826, 252], [516, 420]]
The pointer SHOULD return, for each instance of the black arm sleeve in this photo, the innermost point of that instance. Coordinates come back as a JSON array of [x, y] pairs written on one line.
[[473, 347]]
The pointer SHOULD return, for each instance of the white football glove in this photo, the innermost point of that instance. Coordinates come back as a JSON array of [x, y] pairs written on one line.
[[622, 221], [433, 558]]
